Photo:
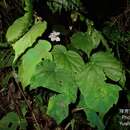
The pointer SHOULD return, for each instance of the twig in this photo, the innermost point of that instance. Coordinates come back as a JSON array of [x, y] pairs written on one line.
[[67, 126], [5, 4], [16, 80], [77, 109]]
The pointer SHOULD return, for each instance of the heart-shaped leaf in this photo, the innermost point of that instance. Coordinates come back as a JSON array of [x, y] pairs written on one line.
[[49, 76], [110, 65], [31, 58], [20, 25], [69, 60], [98, 95], [86, 41], [29, 38]]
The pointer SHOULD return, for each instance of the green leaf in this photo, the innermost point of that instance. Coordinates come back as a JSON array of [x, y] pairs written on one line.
[[53, 78], [113, 33], [21, 25], [58, 107], [58, 5], [29, 38], [69, 60], [110, 65], [31, 58], [11, 122], [18, 28], [86, 41], [49, 76], [92, 117], [98, 95], [28, 6], [122, 80]]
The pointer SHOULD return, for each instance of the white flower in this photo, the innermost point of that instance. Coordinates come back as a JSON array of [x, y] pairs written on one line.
[[54, 36], [70, 27]]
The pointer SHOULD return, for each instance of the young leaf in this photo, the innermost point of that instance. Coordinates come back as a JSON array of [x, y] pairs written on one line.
[[98, 95], [21, 25], [18, 28], [69, 60], [29, 38], [110, 65], [86, 41], [31, 58]]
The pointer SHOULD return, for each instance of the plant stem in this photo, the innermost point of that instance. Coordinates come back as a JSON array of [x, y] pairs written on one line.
[[33, 115]]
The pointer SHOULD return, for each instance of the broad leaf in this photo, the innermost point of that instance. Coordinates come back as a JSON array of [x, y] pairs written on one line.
[[58, 107], [29, 38], [69, 60], [58, 80], [11, 122], [18, 28], [110, 65], [98, 95], [86, 41], [53, 78], [31, 58], [92, 117], [21, 25]]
